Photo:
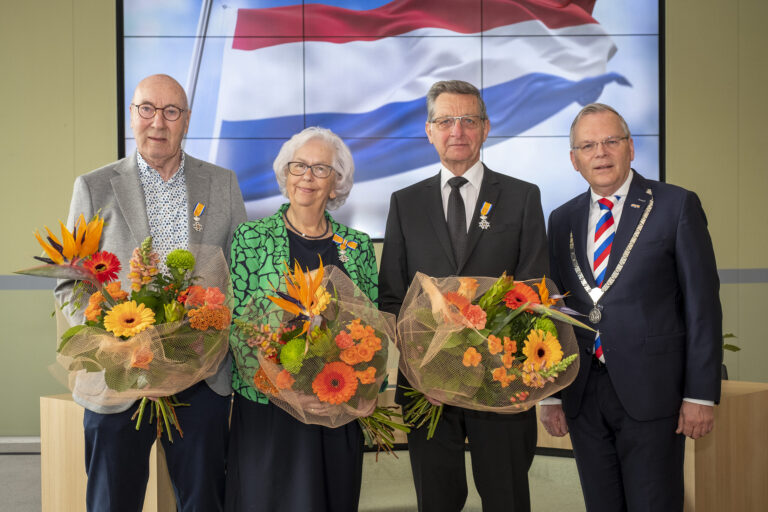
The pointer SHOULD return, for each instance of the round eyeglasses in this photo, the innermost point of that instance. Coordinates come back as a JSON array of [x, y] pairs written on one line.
[[318, 170], [148, 111]]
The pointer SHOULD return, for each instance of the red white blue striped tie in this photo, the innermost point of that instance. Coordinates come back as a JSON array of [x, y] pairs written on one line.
[[604, 233]]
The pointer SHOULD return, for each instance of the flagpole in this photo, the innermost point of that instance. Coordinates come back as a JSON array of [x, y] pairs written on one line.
[[197, 54]]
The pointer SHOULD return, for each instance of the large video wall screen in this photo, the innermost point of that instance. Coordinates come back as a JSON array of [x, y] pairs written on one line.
[[258, 71]]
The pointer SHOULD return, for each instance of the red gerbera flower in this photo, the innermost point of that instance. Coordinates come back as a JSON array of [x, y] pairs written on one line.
[[104, 265], [519, 295], [336, 384]]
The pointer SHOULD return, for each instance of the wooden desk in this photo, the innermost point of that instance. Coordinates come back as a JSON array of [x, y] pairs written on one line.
[[62, 460], [727, 469]]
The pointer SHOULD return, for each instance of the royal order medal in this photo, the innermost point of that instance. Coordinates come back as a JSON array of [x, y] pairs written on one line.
[[484, 211]]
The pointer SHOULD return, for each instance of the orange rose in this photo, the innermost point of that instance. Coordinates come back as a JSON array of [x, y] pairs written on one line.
[[364, 353], [114, 291], [350, 356]]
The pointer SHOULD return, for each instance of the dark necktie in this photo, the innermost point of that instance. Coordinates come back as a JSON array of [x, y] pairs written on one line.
[[457, 218]]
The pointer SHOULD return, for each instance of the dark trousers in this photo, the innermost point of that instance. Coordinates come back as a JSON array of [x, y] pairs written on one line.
[[279, 464], [501, 447], [625, 464], [117, 455]]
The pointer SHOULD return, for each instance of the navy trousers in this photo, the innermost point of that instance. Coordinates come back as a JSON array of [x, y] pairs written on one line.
[[624, 464], [117, 455]]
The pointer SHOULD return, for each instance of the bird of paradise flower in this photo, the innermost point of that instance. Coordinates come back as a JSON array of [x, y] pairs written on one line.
[[304, 296]]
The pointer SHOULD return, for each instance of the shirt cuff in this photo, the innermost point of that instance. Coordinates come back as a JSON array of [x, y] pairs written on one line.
[[551, 401], [700, 402]]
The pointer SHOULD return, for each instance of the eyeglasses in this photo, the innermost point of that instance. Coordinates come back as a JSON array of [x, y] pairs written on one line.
[[148, 111], [467, 122], [318, 170], [610, 144]]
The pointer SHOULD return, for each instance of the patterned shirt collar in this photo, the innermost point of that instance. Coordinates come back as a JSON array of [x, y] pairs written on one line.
[[147, 171]]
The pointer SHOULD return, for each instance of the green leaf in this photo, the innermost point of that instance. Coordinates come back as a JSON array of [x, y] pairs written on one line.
[[68, 336]]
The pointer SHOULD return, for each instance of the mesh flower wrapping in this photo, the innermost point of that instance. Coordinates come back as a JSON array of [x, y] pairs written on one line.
[[183, 342], [484, 343], [323, 366]]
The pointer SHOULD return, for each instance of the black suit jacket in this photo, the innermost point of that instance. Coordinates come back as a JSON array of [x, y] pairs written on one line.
[[417, 239], [661, 326]]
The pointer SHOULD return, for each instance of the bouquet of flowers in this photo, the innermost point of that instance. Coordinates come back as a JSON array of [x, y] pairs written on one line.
[[321, 347], [165, 334], [484, 344]]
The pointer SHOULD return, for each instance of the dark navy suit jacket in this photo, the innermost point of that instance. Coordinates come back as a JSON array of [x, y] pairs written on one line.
[[661, 326]]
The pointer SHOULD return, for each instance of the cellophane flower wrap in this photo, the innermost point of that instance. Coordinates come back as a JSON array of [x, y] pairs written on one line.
[[155, 339], [321, 347], [159, 334], [484, 343]]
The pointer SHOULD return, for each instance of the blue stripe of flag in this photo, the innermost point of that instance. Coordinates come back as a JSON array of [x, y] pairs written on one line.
[[513, 107]]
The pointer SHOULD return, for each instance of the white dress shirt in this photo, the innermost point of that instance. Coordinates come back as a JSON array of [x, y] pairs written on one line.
[[469, 191]]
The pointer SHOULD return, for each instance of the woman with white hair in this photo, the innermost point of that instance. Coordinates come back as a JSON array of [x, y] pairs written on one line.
[[277, 463]]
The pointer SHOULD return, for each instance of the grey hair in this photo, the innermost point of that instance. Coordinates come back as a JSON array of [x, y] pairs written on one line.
[[453, 87], [596, 108], [342, 162]]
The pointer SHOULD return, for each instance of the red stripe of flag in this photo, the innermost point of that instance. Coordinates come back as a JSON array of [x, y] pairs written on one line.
[[260, 28]]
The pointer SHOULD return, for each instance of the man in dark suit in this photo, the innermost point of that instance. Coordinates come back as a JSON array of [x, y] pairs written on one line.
[[636, 255], [436, 227], [181, 202]]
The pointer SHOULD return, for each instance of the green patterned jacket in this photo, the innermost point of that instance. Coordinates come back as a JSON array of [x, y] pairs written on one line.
[[259, 249]]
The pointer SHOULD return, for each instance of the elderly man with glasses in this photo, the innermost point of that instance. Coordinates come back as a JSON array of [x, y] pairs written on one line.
[[180, 201], [466, 220]]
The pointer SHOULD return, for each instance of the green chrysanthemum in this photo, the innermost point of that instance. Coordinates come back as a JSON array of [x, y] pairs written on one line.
[[292, 355], [180, 259], [546, 325]]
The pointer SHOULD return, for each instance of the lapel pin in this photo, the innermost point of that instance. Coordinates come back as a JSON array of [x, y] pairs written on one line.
[[633, 205]]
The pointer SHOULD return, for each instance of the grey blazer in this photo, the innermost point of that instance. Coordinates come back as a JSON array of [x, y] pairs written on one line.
[[115, 191]]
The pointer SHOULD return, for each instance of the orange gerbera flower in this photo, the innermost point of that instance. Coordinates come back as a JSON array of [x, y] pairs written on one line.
[[471, 357], [103, 265], [494, 344], [542, 349], [367, 376], [284, 380], [519, 295], [336, 383]]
